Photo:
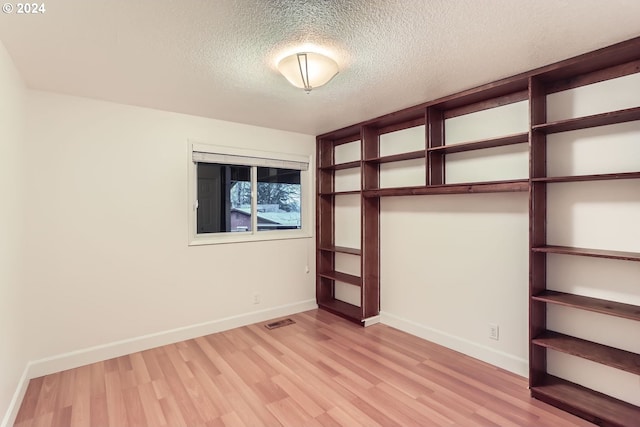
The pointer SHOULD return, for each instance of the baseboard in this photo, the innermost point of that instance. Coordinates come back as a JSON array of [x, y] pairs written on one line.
[[486, 354], [74, 359], [371, 320], [12, 411]]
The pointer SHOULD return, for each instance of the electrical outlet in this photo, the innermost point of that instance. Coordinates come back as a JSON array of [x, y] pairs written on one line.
[[494, 331], [256, 298]]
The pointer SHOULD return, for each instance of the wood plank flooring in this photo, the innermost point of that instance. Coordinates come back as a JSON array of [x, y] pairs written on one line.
[[320, 371]]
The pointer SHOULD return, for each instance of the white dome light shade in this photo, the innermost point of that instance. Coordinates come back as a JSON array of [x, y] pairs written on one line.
[[308, 70]]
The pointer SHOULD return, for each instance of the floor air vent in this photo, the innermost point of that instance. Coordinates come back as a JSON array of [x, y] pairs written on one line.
[[279, 324]]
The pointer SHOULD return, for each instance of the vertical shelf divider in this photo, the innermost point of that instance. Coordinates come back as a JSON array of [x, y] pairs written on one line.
[[370, 226], [325, 205], [434, 138], [537, 229]]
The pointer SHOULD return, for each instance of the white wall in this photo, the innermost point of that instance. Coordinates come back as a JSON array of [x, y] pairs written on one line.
[[13, 356], [106, 240], [453, 264]]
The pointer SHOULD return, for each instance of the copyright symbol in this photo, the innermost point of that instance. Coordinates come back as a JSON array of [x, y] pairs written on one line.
[[7, 8]]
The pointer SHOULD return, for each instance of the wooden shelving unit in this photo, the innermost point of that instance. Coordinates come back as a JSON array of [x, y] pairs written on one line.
[[595, 406], [327, 250], [533, 87]]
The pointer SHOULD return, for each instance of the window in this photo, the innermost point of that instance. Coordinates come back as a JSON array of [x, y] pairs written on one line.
[[278, 199], [237, 195], [224, 198]]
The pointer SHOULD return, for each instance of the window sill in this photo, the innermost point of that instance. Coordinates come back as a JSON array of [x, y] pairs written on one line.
[[222, 238]]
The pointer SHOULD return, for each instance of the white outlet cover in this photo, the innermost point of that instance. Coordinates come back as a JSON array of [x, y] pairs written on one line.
[[494, 331]]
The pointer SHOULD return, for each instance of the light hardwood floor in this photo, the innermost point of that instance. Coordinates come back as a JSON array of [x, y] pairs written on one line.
[[320, 371]]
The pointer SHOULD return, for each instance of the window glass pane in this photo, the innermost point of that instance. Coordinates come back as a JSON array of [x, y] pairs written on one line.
[[224, 198], [278, 199]]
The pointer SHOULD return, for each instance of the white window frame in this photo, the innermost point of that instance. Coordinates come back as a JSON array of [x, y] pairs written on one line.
[[251, 158]]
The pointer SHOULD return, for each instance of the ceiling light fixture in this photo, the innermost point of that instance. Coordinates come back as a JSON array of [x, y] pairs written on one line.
[[308, 70]]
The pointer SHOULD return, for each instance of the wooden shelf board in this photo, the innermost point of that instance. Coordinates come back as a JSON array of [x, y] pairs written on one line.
[[597, 253], [341, 249], [339, 166], [339, 193], [483, 93], [586, 403], [597, 177], [351, 132], [599, 353], [518, 138], [612, 308], [398, 157], [603, 119], [591, 61], [465, 188], [343, 309], [341, 277]]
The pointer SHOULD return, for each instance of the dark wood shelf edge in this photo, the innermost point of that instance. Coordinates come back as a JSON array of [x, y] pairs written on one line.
[[597, 305], [341, 249], [597, 253], [595, 177], [340, 166], [595, 352], [591, 405], [341, 277], [603, 119], [464, 188], [340, 193], [519, 138], [343, 309], [411, 155]]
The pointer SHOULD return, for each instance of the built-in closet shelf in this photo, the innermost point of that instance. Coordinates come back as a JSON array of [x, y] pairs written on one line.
[[598, 177], [341, 308], [612, 308], [589, 404], [518, 138], [339, 193], [610, 356], [341, 249], [341, 277], [339, 166], [609, 118], [476, 187], [398, 157], [598, 253]]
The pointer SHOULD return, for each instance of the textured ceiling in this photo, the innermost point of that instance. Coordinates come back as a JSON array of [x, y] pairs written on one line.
[[217, 58]]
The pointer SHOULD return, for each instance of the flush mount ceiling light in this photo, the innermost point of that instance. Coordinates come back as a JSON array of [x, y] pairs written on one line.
[[308, 70]]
